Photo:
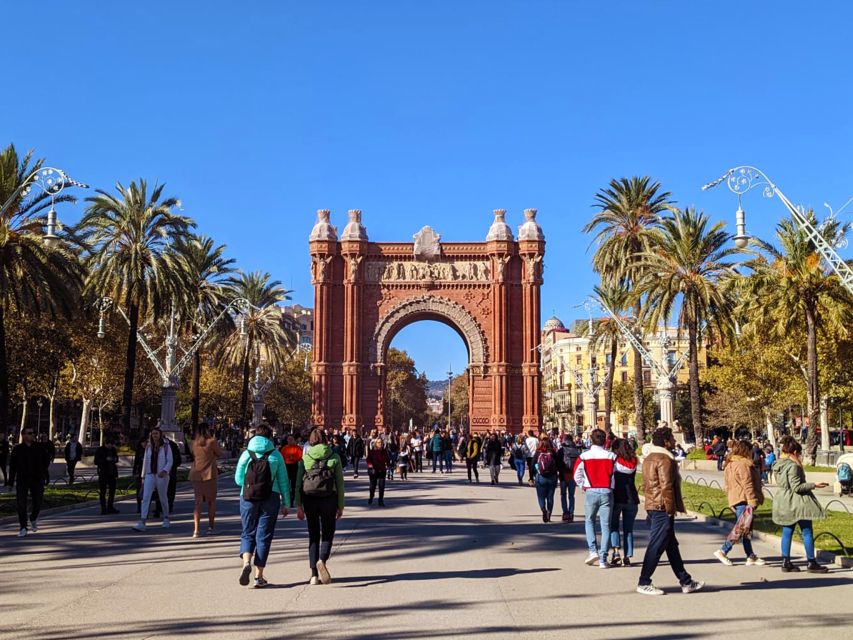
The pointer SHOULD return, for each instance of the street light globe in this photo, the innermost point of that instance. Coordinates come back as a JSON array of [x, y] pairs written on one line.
[[741, 241]]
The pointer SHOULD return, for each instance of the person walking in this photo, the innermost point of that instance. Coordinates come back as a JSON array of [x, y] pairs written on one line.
[[436, 447], [743, 490], [137, 471], [567, 457], [73, 453], [473, 446], [291, 452], [531, 444], [264, 491], [518, 453], [155, 468], [719, 449], [626, 503], [594, 475], [355, 452], [27, 466], [172, 487], [545, 465], [204, 475], [662, 494], [417, 443], [447, 451], [393, 448], [106, 461], [795, 504], [403, 457], [378, 461], [493, 452], [320, 501]]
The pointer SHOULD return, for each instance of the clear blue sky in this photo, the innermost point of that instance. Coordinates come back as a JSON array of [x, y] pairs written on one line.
[[257, 114]]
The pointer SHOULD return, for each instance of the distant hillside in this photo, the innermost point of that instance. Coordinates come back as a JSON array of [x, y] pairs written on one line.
[[436, 388]]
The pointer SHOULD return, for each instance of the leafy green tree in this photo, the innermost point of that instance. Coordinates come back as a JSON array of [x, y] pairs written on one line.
[[266, 339], [405, 389], [685, 268], [205, 272], [34, 278], [129, 237], [791, 285], [628, 211]]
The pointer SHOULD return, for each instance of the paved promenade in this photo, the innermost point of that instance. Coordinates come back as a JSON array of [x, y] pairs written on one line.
[[443, 560]]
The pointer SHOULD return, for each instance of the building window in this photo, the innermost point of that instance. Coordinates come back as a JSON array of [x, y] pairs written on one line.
[[647, 377], [624, 376], [578, 359], [607, 359], [624, 360]]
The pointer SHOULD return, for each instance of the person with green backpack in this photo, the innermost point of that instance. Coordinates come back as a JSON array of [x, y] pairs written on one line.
[[265, 489], [320, 501]]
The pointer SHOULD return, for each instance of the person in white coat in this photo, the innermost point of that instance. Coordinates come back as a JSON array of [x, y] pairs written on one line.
[[155, 476]]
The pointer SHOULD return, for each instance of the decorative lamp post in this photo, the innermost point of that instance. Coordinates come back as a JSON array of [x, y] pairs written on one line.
[[744, 178], [259, 390], [171, 368], [39, 403], [449, 382]]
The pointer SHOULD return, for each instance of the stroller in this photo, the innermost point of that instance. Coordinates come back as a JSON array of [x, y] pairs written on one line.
[[844, 475]]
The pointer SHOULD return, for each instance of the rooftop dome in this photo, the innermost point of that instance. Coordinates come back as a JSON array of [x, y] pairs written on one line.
[[554, 323]]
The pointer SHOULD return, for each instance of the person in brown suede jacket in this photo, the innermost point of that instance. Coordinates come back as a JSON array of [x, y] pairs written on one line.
[[662, 491]]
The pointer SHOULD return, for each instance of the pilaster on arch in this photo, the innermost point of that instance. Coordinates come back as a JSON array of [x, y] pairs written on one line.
[[429, 307]]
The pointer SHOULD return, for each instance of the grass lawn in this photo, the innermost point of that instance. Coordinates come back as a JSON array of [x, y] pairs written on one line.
[[62, 495], [710, 501], [809, 467]]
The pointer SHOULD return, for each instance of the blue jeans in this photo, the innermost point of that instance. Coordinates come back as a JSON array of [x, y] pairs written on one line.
[[597, 504], [808, 538], [437, 459], [747, 543], [258, 520], [628, 512], [545, 488], [448, 461], [567, 496], [520, 468]]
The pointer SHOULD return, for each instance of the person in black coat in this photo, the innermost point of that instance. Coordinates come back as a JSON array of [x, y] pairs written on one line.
[[138, 461], [355, 451], [4, 456], [50, 451], [73, 454], [28, 465], [106, 460]]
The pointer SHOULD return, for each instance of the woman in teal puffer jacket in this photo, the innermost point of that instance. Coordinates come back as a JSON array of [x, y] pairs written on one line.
[[795, 504]]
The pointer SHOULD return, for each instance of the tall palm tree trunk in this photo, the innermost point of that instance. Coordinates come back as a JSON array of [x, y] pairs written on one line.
[[693, 370], [639, 408], [244, 393], [813, 394], [4, 375], [195, 394], [608, 387], [130, 369]]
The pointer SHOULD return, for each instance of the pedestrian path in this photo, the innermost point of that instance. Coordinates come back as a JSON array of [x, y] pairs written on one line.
[[444, 559]]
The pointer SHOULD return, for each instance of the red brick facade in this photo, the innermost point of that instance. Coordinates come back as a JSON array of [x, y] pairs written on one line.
[[365, 292]]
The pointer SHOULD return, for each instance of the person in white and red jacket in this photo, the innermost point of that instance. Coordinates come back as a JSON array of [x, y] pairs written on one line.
[[594, 474]]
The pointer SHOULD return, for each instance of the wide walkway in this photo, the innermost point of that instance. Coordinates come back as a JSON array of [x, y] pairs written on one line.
[[443, 560]]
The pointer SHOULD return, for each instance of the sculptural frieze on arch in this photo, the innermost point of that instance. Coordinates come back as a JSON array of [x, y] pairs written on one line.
[[366, 292]]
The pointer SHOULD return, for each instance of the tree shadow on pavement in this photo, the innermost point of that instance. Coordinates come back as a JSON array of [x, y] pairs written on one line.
[[474, 574]]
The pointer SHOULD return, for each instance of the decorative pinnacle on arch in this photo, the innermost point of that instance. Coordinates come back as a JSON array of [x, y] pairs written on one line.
[[530, 230], [500, 229], [354, 229], [323, 229]]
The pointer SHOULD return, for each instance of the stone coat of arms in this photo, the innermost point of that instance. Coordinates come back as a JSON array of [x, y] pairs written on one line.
[[427, 244]]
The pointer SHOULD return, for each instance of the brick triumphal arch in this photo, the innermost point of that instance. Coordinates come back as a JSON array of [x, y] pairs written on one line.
[[365, 292]]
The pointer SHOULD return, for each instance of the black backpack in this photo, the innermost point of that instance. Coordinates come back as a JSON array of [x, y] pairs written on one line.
[[319, 481], [257, 485]]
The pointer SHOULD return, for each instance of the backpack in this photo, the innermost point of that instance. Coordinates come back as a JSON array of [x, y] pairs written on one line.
[[570, 456], [257, 485], [845, 473], [547, 464], [319, 481]]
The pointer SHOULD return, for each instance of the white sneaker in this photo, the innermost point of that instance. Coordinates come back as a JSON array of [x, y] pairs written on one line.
[[325, 576], [602, 565], [591, 559], [722, 557], [34, 525], [755, 561], [694, 585], [166, 523], [22, 533], [314, 580], [649, 590], [139, 526]]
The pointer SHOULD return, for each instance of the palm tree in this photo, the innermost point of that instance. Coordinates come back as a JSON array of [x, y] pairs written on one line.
[[628, 210], [33, 277], [605, 332], [792, 286], [205, 271], [686, 263], [129, 236], [266, 339]]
